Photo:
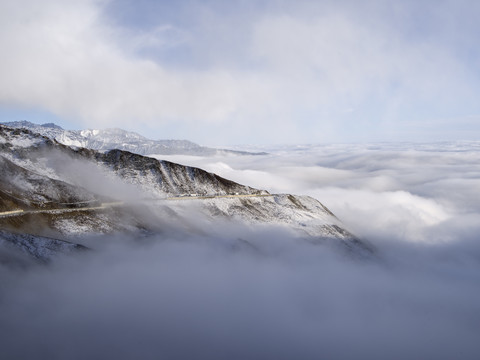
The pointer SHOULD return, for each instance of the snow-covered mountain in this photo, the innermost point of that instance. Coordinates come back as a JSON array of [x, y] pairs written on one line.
[[109, 139], [50, 190]]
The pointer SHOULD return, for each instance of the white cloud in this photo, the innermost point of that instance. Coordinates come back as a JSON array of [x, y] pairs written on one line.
[[335, 58], [295, 72], [61, 57]]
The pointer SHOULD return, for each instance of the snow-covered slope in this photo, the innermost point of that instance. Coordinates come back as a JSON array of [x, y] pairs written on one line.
[[108, 139], [14, 245], [75, 191]]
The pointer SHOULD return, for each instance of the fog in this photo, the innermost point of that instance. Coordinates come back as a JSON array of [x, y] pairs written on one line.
[[241, 292], [409, 192]]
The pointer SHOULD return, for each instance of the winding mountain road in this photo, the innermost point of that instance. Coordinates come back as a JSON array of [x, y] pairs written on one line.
[[200, 197], [103, 206], [21, 212]]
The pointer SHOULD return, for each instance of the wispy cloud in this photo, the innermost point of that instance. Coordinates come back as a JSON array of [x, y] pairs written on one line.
[[230, 69], [63, 58]]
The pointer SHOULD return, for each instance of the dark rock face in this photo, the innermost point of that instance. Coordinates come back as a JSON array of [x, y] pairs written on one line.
[[165, 176], [27, 189], [169, 177]]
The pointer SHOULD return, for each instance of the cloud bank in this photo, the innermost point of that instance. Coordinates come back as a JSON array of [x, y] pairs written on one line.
[[424, 192], [198, 298]]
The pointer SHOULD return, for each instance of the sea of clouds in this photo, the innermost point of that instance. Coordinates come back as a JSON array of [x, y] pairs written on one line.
[[411, 192], [179, 295]]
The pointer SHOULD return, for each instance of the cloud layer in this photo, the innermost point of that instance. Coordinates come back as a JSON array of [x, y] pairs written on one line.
[[205, 295], [415, 192], [200, 299]]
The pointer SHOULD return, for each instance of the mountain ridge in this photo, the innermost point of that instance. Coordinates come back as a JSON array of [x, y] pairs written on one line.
[[115, 138], [68, 192]]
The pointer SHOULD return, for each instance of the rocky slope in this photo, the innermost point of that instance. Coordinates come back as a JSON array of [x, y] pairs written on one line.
[[60, 192]]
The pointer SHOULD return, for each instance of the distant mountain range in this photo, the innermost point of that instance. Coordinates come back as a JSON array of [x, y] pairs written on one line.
[[109, 139]]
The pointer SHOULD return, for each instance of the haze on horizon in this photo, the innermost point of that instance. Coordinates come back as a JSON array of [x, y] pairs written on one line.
[[245, 71]]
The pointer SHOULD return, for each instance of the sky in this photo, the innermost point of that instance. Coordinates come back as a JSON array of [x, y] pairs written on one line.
[[245, 72]]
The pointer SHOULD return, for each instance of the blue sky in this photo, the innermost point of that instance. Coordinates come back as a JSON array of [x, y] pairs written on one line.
[[233, 72]]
